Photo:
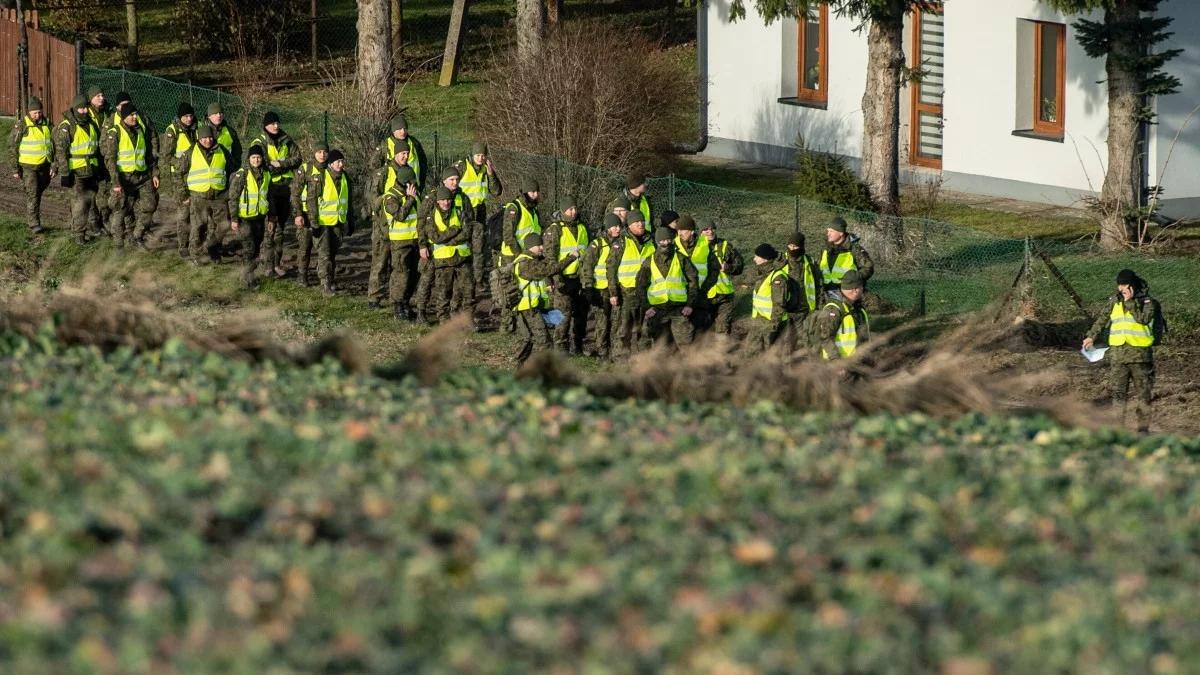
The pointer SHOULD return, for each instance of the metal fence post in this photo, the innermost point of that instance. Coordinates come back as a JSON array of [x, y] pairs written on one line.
[[671, 191], [123, 85], [797, 213], [437, 154], [556, 195], [191, 94], [325, 126]]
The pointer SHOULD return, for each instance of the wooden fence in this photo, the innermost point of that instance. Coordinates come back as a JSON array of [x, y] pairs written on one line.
[[53, 65]]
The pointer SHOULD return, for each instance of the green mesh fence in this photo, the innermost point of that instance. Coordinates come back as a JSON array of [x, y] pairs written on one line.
[[922, 265]]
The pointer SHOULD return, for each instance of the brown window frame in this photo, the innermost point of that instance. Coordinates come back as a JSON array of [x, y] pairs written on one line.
[[1057, 127], [915, 157], [813, 95]]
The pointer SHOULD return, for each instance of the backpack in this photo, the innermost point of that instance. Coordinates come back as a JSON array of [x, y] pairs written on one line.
[[506, 292], [794, 301]]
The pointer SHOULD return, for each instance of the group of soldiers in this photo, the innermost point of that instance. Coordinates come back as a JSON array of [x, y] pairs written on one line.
[[638, 279]]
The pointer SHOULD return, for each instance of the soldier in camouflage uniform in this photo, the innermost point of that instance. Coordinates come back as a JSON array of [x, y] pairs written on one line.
[[225, 134], [635, 193], [770, 326], [479, 181], [178, 140], [1133, 321], [593, 274], [843, 252], [671, 287], [421, 301], [519, 221], [532, 268], [77, 149], [403, 235], [703, 258], [282, 157], [383, 180], [252, 210], [449, 235], [32, 152], [206, 172], [841, 326], [100, 113], [807, 275], [400, 137], [624, 261], [301, 218], [329, 207], [130, 160], [566, 235], [720, 296]]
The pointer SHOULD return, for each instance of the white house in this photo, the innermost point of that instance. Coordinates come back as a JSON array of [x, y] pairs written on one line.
[[1009, 104]]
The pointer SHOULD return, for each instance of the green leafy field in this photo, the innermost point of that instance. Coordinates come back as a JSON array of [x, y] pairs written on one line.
[[176, 512]]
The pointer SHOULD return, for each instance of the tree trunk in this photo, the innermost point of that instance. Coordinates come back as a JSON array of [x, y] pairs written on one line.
[[881, 118], [131, 35], [375, 76], [1118, 196], [554, 10], [397, 30], [453, 52], [531, 26]]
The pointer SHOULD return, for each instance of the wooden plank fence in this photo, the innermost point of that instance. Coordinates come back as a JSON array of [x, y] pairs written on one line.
[[53, 65]]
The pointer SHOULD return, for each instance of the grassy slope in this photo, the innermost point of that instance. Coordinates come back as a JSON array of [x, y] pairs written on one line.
[[170, 511]]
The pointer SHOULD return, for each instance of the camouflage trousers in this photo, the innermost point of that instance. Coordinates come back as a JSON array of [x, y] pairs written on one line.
[[453, 289], [600, 322], [668, 325], [273, 237], [1141, 377], [534, 333], [720, 313], [304, 249], [381, 261], [35, 181], [764, 335], [251, 231], [328, 241], [84, 217], [630, 334], [210, 222], [134, 204], [569, 299], [404, 276]]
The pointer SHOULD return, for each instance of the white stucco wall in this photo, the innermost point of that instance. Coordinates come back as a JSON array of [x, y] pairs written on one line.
[[1178, 173], [746, 76]]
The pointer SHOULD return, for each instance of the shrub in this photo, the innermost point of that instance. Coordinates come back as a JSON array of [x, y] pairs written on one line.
[[827, 178]]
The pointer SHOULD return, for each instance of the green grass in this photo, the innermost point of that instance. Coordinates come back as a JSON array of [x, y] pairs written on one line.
[[174, 511], [1017, 225]]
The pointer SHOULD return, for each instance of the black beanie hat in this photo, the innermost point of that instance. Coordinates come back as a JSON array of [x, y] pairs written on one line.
[[335, 155], [128, 109], [766, 251], [271, 117], [1128, 277], [123, 96], [667, 218], [254, 150], [185, 108]]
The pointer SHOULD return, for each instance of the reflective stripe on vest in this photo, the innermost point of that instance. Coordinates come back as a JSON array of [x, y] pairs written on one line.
[[534, 294], [474, 184], [404, 229], [571, 242], [204, 177], [724, 285], [277, 153], [83, 147], [1123, 329], [600, 274], [334, 203], [631, 261], [36, 144], [253, 201], [413, 160], [698, 256], [527, 225], [844, 262], [763, 306], [669, 288], [810, 284], [443, 251], [847, 335], [131, 157]]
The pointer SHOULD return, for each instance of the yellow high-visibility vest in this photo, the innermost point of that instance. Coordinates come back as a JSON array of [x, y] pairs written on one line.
[[277, 153], [642, 204], [36, 144], [527, 225], [183, 144], [444, 251], [631, 261], [698, 256], [1123, 329], [334, 204], [252, 203], [83, 147], [131, 156], [844, 262], [762, 306], [671, 287], [534, 294], [810, 284], [847, 334], [311, 169], [600, 274], [204, 176], [724, 285], [572, 241], [225, 138], [401, 229], [474, 184]]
